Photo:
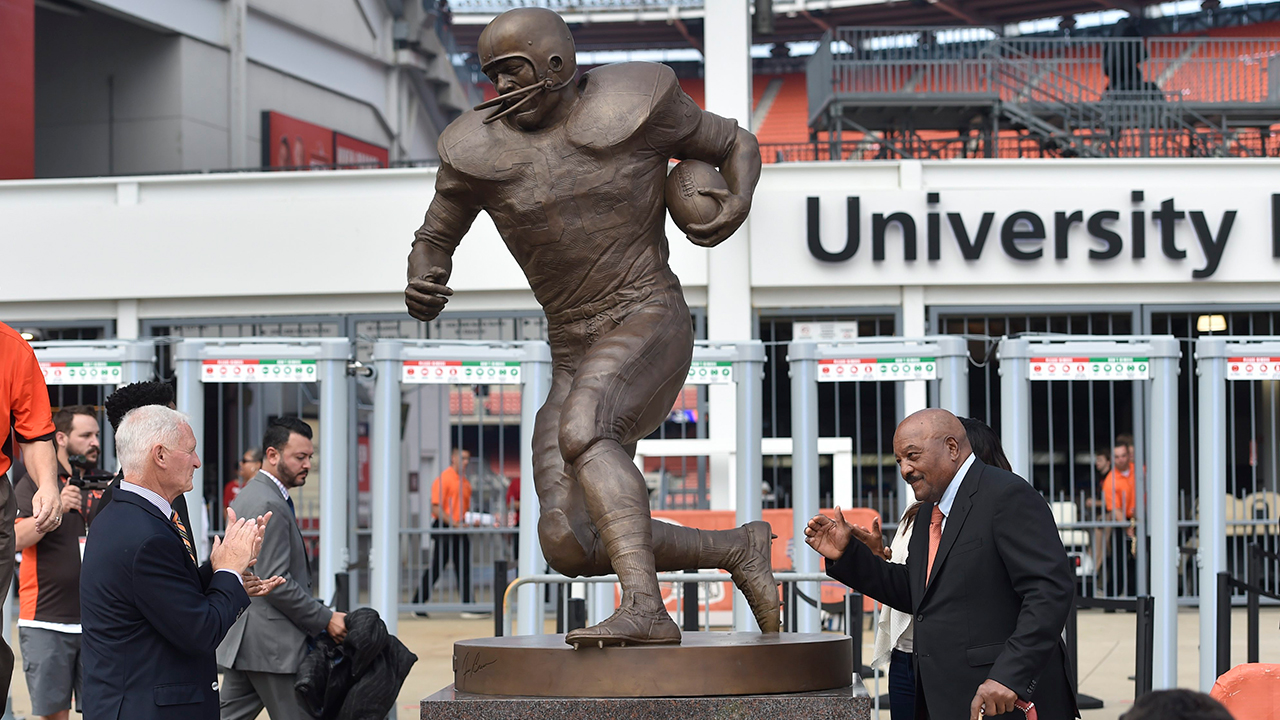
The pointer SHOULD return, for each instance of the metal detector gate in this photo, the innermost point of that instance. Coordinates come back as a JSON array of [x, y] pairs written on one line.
[[198, 361], [526, 364], [1075, 358], [943, 358], [96, 362], [1250, 365]]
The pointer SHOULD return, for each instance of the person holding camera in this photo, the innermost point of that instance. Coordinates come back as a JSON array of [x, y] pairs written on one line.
[[49, 576]]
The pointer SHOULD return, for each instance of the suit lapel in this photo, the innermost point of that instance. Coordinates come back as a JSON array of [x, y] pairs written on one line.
[[148, 506], [955, 521], [282, 514], [919, 548]]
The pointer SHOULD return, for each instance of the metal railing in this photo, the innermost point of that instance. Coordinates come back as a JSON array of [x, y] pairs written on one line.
[[962, 61], [1254, 589], [1079, 97]]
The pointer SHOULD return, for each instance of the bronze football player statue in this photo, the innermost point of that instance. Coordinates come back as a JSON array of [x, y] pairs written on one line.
[[572, 173]]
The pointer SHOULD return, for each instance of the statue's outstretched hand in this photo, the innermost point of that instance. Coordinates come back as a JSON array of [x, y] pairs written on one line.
[[733, 211], [427, 295]]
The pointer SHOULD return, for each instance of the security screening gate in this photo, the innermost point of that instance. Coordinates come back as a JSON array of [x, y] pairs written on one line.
[[943, 358], [96, 362], [1151, 359], [1229, 366], [525, 364], [198, 361]]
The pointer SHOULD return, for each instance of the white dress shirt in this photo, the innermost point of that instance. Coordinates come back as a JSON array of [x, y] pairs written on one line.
[[166, 510], [283, 490]]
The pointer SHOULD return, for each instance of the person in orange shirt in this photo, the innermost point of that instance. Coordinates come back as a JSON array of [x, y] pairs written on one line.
[[1119, 498], [450, 502]]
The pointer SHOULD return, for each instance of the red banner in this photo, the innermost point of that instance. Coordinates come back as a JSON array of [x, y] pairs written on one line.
[[288, 142], [349, 151]]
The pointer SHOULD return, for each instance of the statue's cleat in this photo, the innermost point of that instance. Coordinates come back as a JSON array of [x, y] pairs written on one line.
[[629, 626], [752, 571]]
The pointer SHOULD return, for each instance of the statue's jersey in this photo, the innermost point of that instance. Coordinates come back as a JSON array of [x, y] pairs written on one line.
[[580, 204]]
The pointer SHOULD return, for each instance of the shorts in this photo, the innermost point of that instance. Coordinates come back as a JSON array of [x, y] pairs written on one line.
[[51, 663]]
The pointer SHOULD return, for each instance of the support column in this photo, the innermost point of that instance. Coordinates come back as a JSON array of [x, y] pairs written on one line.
[[334, 442], [1015, 405], [127, 319], [190, 400], [729, 311], [536, 371], [1164, 512], [236, 19], [804, 473], [1212, 477], [915, 393], [748, 375], [384, 481]]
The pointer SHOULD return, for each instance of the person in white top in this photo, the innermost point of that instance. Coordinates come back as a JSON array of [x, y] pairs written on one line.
[[893, 643]]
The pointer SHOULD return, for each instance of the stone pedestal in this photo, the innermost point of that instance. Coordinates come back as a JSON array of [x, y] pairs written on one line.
[[848, 703]]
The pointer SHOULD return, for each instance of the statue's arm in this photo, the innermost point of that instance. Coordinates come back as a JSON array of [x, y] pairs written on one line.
[[737, 154], [450, 215]]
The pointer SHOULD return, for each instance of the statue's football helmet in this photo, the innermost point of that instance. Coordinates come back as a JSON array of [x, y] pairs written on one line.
[[538, 36]]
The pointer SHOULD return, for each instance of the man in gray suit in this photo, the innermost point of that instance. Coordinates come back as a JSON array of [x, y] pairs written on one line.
[[263, 650]]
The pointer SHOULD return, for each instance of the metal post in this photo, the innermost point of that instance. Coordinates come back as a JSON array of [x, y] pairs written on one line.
[[748, 369], [535, 368], [139, 361], [384, 480], [1164, 509], [190, 399], [500, 583], [1212, 477], [1222, 625], [1255, 582], [334, 441], [1143, 671], [803, 360], [690, 591], [953, 375], [1015, 404]]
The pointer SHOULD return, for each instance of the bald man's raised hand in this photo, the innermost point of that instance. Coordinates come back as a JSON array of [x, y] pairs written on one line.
[[828, 537]]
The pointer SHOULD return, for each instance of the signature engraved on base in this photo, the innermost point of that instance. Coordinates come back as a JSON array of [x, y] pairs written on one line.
[[473, 664]]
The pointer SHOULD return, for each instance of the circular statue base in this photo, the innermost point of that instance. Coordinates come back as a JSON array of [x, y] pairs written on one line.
[[705, 664]]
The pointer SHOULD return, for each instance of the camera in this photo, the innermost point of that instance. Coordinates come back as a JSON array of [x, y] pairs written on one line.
[[86, 476]]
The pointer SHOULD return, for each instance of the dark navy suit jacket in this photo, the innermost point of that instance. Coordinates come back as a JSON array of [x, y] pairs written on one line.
[[151, 619], [995, 604]]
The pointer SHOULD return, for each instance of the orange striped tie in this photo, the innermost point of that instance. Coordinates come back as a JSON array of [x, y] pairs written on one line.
[[186, 537]]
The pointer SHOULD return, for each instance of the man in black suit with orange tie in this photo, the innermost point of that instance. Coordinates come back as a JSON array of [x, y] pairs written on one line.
[[989, 583], [150, 623]]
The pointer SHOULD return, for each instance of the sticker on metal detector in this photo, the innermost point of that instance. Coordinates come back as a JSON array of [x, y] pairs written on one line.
[[464, 372], [82, 373], [1084, 368], [257, 370], [877, 369], [1253, 368], [710, 372]]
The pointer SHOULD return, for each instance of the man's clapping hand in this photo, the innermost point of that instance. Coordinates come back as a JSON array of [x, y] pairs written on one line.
[[257, 587], [240, 546]]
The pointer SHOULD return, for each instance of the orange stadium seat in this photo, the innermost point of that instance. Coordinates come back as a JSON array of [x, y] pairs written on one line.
[[1251, 690], [788, 118]]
